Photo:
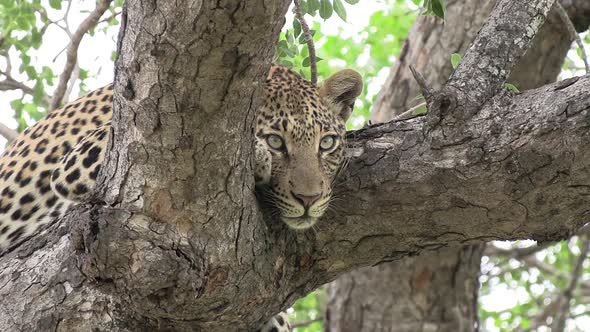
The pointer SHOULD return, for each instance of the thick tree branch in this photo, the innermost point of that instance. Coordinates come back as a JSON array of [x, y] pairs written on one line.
[[72, 53], [499, 175], [501, 42]]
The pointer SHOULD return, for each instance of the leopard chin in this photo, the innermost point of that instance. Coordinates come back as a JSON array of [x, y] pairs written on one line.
[[300, 223]]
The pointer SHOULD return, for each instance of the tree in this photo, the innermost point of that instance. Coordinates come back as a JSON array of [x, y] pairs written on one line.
[[437, 290], [180, 243]]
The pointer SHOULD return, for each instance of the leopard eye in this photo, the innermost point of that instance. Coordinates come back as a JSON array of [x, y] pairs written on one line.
[[327, 143], [275, 142]]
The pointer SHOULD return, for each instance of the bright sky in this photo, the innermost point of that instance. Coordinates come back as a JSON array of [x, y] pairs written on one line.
[[95, 54]]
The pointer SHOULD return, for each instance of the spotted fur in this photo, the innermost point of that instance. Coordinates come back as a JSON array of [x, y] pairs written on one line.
[[27, 200], [279, 323], [55, 163]]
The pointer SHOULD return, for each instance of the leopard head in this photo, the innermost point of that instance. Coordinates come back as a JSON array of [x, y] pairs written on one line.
[[300, 131]]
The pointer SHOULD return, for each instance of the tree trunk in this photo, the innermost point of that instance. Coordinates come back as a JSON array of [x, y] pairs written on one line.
[[174, 239], [437, 291]]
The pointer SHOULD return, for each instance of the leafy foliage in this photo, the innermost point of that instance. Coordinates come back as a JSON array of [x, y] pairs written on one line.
[[23, 25], [309, 309], [530, 287]]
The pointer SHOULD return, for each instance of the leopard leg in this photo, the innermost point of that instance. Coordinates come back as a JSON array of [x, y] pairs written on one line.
[[278, 323]]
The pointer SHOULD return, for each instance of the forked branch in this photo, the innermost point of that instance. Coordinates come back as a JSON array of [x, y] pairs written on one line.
[[72, 53]]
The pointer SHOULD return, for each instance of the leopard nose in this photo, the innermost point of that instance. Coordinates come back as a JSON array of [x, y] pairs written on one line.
[[307, 200]]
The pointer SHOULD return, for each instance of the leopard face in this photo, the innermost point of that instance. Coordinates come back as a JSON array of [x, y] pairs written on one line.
[[300, 131]]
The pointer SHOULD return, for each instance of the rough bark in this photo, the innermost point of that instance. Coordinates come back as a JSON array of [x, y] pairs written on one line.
[[180, 245], [436, 291], [430, 44]]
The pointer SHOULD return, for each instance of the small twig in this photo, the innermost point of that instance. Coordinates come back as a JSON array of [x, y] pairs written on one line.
[[426, 91], [559, 321], [309, 40], [67, 13], [540, 319], [59, 53], [305, 322], [110, 17], [409, 114], [11, 84], [573, 33], [9, 134], [75, 76], [72, 54]]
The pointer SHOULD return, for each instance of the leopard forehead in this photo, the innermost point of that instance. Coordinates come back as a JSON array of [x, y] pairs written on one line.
[[294, 106]]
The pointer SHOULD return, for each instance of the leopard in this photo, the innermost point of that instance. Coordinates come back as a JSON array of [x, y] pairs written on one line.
[[299, 142]]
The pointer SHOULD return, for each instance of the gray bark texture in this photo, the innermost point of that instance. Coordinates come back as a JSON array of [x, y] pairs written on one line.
[[437, 291], [174, 239]]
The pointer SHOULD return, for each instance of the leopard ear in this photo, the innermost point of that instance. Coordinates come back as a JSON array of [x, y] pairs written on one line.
[[340, 91]]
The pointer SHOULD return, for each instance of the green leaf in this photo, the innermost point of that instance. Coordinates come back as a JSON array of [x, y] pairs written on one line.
[[511, 87], [325, 9], [296, 28], [83, 74], [38, 92], [340, 10], [303, 4], [22, 23], [353, 2], [313, 6], [55, 4], [455, 60], [47, 75], [421, 110], [437, 7], [36, 39], [16, 105], [290, 52], [31, 72], [290, 39], [286, 63], [305, 62], [304, 51]]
